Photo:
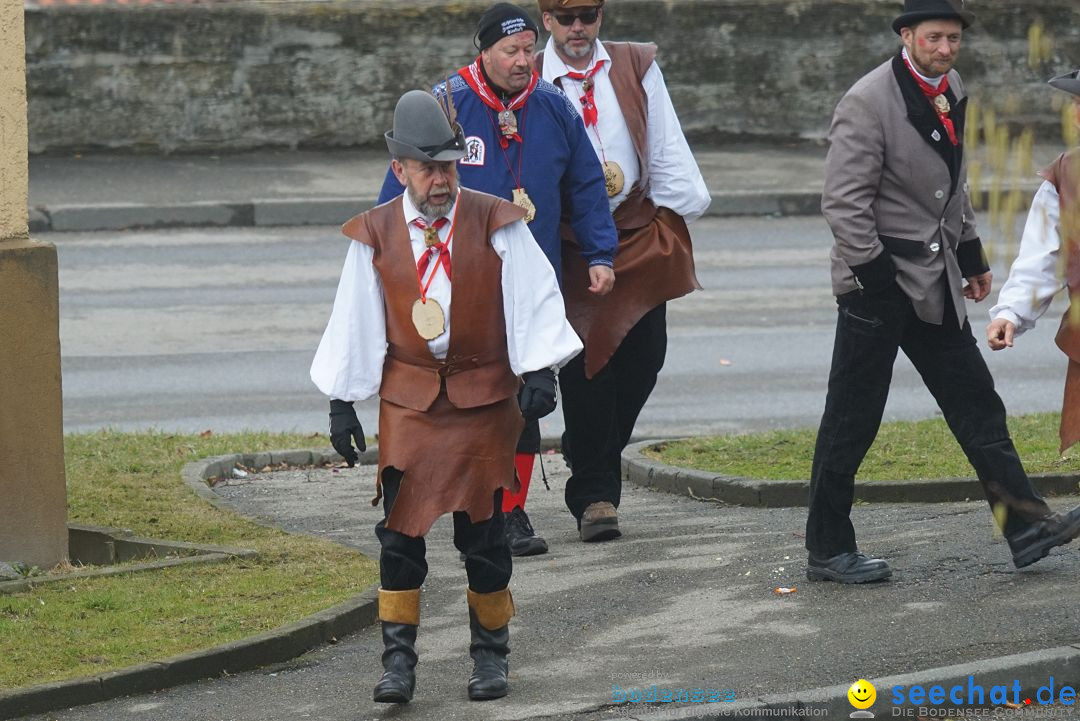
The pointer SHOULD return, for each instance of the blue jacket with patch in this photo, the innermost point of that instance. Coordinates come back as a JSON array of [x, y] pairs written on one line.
[[559, 169]]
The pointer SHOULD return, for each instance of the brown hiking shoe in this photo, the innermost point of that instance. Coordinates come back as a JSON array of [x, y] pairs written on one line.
[[600, 522]]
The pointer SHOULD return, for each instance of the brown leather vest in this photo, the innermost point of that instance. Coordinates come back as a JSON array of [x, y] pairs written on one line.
[[629, 63], [476, 369], [1064, 173]]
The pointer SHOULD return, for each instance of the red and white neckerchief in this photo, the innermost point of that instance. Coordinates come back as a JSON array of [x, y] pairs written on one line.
[[931, 92], [441, 248], [588, 103], [474, 78], [589, 111]]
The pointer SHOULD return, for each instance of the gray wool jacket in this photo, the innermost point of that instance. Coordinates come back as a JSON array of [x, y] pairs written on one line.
[[896, 193]]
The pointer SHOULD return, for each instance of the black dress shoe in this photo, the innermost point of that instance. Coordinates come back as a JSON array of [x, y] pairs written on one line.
[[851, 567], [520, 535], [1035, 541]]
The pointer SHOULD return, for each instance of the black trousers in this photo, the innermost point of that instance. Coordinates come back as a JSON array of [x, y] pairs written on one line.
[[600, 413], [402, 561], [869, 331]]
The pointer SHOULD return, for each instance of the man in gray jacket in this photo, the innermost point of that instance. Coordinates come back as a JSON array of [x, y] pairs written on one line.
[[906, 255]]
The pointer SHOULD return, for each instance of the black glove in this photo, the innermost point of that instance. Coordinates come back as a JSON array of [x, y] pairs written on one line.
[[344, 428], [537, 396]]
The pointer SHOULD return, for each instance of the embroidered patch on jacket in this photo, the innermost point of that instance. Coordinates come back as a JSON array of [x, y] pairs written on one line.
[[474, 151]]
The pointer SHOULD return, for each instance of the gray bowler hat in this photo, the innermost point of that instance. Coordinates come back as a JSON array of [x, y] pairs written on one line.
[[422, 131], [1069, 82]]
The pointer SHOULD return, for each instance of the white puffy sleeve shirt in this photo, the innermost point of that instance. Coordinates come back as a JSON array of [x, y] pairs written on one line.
[[675, 180], [348, 364], [1035, 277]]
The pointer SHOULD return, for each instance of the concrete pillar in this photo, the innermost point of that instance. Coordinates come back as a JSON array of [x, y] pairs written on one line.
[[33, 490]]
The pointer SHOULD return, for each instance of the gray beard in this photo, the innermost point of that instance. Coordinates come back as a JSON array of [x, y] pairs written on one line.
[[428, 209], [576, 54]]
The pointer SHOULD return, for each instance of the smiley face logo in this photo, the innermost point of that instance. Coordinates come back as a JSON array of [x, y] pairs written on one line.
[[862, 694]]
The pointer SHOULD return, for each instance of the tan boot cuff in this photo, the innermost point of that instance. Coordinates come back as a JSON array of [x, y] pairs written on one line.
[[400, 606], [493, 610]]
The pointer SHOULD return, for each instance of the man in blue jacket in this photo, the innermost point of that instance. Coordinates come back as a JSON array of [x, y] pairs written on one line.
[[526, 143]]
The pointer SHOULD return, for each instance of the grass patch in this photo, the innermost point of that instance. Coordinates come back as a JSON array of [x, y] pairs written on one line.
[[902, 451], [132, 480]]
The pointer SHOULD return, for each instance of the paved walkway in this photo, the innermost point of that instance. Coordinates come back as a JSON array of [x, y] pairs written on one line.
[[685, 600]]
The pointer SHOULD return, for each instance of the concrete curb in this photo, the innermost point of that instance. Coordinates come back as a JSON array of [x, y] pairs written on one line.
[[117, 552], [328, 211], [275, 646], [196, 214], [198, 474], [1032, 670], [737, 491], [75, 217]]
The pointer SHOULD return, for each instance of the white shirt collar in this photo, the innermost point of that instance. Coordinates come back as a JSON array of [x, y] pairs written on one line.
[[933, 82], [412, 213], [555, 68]]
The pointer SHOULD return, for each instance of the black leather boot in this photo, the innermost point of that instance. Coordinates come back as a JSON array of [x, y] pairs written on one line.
[[520, 535], [399, 662], [489, 649], [399, 612]]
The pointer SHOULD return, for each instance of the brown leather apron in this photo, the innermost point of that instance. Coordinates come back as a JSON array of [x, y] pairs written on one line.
[[449, 425], [1064, 173]]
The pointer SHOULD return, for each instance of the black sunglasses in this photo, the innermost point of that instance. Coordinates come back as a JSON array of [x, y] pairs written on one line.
[[587, 17]]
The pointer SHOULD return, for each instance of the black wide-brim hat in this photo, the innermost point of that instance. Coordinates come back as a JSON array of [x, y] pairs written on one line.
[[915, 11], [1069, 82]]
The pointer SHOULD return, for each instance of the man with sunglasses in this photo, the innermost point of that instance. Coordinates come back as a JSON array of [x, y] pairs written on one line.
[[525, 143], [653, 186]]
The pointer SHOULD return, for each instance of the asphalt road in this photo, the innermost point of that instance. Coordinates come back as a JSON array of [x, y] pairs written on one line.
[[188, 330]]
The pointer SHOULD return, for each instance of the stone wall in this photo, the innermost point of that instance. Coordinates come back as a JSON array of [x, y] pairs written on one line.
[[236, 75]]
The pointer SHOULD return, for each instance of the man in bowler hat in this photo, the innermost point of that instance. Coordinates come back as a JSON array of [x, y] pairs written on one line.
[[446, 308], [905, 256]]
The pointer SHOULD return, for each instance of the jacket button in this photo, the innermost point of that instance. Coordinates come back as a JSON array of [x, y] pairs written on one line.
[[939, 194], [935, 247]]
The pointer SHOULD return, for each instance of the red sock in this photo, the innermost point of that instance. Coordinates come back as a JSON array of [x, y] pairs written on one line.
[[523, 462]]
